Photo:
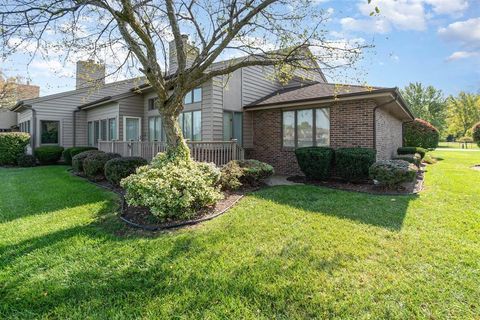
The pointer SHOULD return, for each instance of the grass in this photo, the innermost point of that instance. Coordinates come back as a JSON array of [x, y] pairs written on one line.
[[289, 252], [456, 145]]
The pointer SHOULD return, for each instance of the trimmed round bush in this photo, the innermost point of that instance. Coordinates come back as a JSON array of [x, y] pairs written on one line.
[[315, 162], [352, 164], [420, 133], [412, 150], [94, 165], [254, 171], [26, 160], [77, 160], [391, 173], [69, 153], [230, 177], [118, 168], [476, 133], [416, 159], [173, 189], [48, 154], [12, 145]]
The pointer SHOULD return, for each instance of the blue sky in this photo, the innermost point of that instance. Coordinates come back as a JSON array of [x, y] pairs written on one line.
[[436, 42]]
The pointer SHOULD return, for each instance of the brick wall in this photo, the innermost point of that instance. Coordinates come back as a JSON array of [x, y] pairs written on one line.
[[351, 125], [388, 134]]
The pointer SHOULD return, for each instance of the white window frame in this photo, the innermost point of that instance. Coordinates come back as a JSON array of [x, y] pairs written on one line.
[[125, 127]]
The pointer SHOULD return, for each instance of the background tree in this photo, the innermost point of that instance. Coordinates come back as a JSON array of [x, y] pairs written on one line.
[[267, 33], [463, 113], [7, 90], [427, 103]]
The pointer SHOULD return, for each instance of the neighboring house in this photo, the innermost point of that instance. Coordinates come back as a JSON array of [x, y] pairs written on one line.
[[13, 92], [267, 119]]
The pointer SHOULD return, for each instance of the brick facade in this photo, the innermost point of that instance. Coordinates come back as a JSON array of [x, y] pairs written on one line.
[[388, 131], [351, 125]]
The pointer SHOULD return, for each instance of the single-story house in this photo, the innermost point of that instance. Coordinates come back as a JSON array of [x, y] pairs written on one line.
[[265, 118]]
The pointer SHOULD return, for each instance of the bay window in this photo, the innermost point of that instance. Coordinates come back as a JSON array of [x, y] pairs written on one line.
[[306, 127]]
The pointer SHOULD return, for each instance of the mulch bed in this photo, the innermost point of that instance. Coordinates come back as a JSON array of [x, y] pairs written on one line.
[[409, 188], [141, 217]]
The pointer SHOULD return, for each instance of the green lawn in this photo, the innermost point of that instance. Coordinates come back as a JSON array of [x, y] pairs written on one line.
[[284, 252], [456, 145]]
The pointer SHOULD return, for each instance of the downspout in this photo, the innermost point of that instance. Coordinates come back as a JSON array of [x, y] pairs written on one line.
[[75, 126], [34, 125], [375, 118]]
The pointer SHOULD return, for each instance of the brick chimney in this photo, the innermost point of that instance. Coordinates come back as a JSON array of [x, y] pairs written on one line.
[[191, 53], [89, 73]]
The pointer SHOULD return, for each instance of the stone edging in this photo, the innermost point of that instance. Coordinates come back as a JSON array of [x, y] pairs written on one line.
[[155, 228]]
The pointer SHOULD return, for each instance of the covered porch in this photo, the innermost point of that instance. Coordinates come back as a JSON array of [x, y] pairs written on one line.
[[218, 152]]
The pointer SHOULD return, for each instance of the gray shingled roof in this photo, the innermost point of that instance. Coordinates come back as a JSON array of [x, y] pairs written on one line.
[[316, 91]]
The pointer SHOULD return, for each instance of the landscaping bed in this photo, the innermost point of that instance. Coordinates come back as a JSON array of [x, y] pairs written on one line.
[[141, 217], [367, 186]]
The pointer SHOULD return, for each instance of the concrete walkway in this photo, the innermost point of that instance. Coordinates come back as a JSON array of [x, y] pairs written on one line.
[[277, 180]]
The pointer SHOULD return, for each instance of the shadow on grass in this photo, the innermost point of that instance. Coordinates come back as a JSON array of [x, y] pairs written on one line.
[[32, 191], [182, 276], [378, 210]]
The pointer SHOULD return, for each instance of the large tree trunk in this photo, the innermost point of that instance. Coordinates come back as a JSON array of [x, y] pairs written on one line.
[[176, 145]]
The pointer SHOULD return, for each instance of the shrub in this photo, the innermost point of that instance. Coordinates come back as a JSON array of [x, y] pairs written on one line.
[[420, 133], [476, 133], [173, 189], [246, 173], [118, 168], [94, 164], [69, 153], [12, 145], [315, 162], [352, 164], [392, 172], [412, 150], [48, 154], [416, 159], [429, 159], [230, 177], [26, 160], [77, 160], [465, 140]]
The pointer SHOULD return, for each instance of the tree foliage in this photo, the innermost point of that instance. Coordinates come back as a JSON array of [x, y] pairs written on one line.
[[427, 103], [7, 90], [463, 113], [420, 133], [259, 33]]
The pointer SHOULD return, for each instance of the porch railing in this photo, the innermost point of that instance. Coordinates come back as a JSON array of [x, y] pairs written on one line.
[[218, 152]]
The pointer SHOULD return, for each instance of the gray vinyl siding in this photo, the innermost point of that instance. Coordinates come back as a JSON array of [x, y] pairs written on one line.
[[257, 82], [132, 107], [7, 119], [25, 115], [81, 129], [60, 108], [212, 112], [232, 91]]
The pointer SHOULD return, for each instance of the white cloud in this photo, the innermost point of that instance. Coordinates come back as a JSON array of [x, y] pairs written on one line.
[[458, 55], [377, 25], [451, 7], [400, 14], [466, 32]]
